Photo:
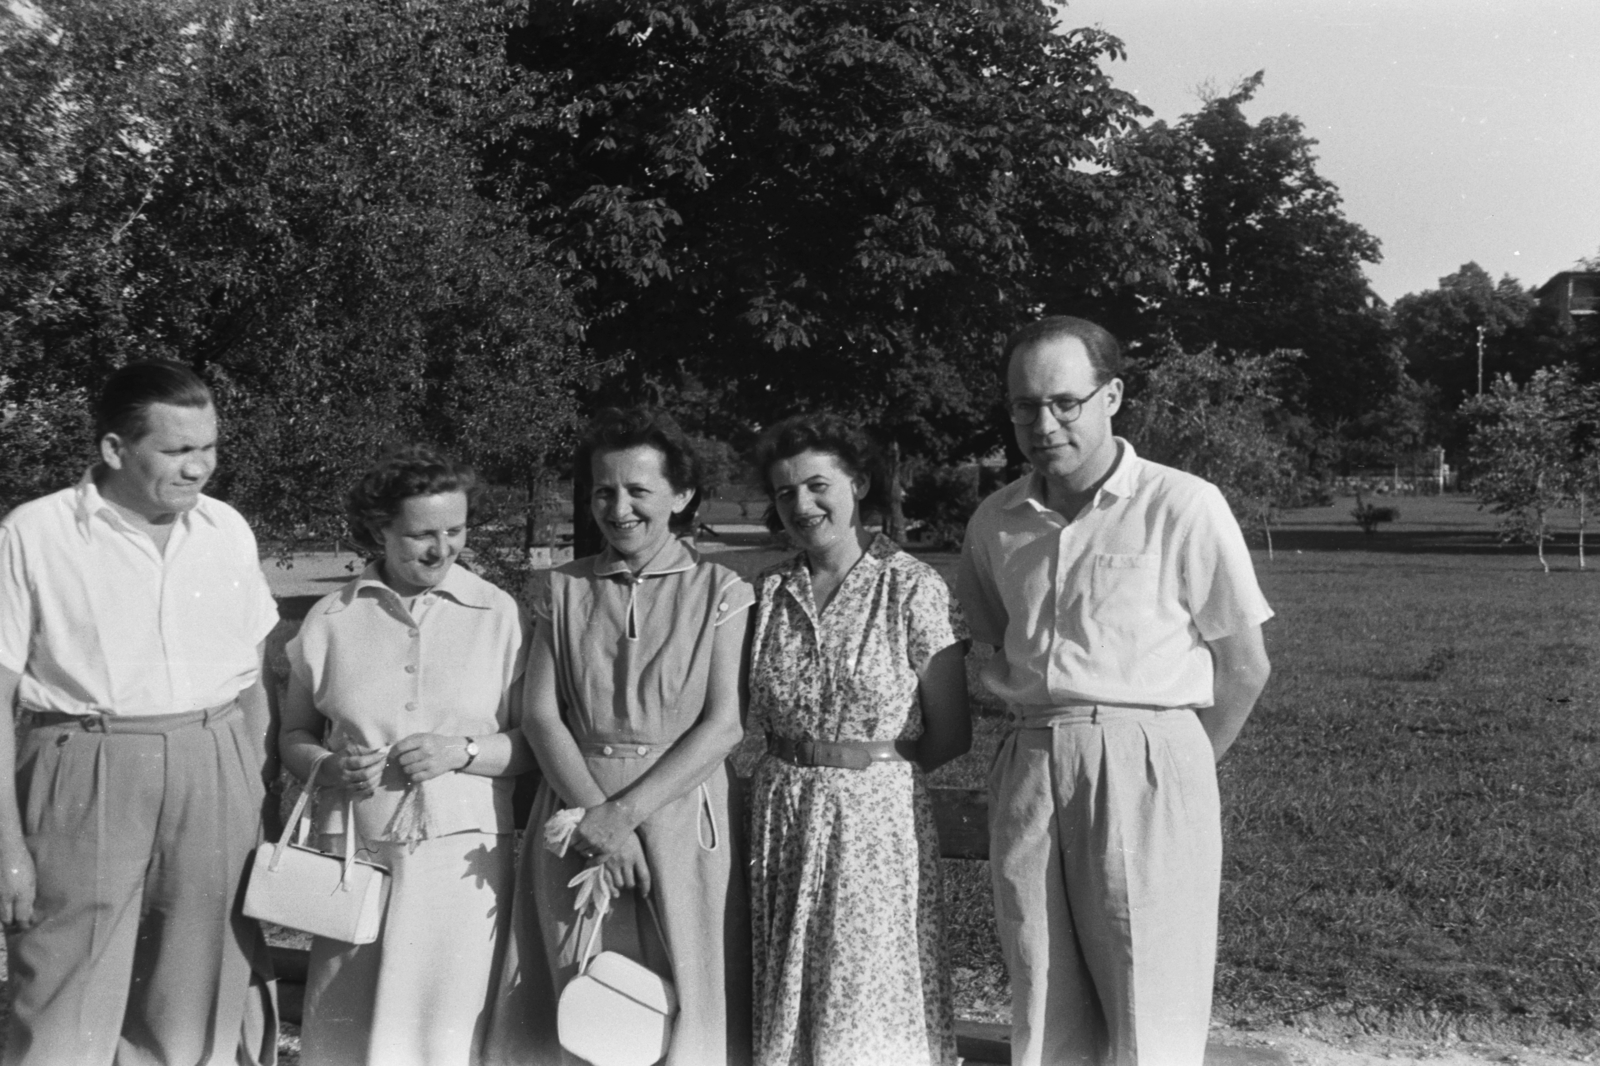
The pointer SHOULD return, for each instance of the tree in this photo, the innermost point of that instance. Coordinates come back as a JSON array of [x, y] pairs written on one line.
[[1442, 331], [828, 203], [1218, 419], [1274, 263], [308, 222], [1523, 451]]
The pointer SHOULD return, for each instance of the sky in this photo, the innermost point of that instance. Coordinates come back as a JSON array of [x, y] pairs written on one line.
[[1457, 130]]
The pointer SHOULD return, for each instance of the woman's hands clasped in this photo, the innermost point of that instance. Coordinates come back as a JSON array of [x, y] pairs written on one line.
[[423, 756], [420, 757], [607, 836], [355, 769]]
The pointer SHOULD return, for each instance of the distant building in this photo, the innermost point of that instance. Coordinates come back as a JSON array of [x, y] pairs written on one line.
[[1573, 294]]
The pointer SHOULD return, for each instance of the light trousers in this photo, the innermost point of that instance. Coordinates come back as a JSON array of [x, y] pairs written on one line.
[[1105, 846], [140, 830]]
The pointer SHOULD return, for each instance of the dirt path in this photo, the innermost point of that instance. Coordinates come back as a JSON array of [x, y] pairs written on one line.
[[1284, 1046]]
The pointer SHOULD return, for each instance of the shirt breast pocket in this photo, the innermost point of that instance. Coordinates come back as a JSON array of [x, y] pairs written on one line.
[[1123, 589]]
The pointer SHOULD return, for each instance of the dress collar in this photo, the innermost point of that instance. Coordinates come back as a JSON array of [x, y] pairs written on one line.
[[460, 585], [796, 575], [672, 557]]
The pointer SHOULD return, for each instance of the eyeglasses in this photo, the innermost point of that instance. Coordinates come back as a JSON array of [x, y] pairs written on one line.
[[1065, 409]]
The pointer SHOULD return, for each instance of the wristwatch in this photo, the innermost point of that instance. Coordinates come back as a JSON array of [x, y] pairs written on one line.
[[472, 753]]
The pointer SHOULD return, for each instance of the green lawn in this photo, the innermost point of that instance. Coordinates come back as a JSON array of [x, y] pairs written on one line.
[[1412, 817]]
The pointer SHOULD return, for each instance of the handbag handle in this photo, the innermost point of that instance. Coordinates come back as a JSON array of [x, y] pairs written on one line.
[[301, 828], [599, 920]]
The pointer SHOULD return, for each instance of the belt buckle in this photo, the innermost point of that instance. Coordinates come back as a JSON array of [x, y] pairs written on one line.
[[805, 752]]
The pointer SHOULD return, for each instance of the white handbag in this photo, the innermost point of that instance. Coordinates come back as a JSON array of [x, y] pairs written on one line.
[[616, 1012], [339, 897]]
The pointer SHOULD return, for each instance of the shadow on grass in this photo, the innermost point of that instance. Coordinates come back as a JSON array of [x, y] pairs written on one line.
[[1417, 542]]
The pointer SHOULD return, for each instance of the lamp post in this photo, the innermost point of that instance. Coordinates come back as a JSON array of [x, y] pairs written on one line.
[[1481, 330]]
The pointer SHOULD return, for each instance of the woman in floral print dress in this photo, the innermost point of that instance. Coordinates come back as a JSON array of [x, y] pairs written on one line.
[[857, 676]]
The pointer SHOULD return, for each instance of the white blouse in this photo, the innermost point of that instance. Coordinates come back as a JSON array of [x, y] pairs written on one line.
[[379, 673]]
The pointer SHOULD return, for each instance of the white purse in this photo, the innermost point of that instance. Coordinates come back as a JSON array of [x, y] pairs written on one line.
[[341, 898], [616, 1012]]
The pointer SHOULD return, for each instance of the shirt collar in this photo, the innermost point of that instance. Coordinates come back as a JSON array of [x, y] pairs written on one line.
[[89, 503], [672, 557], [1029, 491], [460, 585]]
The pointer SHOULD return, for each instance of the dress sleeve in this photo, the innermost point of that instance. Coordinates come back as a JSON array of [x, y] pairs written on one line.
[[933, 619], [735, 596], [16, 604]]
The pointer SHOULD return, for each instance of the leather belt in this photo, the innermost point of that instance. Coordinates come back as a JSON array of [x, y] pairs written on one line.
[[847, 754], [96, 722]]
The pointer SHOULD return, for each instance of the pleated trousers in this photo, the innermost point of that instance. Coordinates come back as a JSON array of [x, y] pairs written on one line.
[[140, 830], [1105, 847]]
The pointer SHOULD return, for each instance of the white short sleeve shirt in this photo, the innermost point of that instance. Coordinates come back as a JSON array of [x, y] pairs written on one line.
[[1117, 606], [95, 619]]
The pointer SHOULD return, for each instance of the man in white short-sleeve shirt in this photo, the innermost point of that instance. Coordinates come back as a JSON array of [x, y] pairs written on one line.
[[1123, 605], [132, 617]]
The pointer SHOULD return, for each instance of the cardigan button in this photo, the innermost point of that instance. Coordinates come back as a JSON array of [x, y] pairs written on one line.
[[642, 750], [606, 750]]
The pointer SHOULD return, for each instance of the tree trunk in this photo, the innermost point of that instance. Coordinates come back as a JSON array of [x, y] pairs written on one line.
[[1582, 514], [530, 515], [894, 524], [586, 536], [1266, 527], [1538, 538]]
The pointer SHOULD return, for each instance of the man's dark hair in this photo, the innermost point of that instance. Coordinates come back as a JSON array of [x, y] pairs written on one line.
[[403, 472], [615, 429], [830, 435], [124, 403], [1105, 354]]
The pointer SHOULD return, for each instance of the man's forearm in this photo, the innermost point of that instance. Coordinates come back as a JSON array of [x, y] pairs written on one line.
[[1224, 719], [1242, 670]]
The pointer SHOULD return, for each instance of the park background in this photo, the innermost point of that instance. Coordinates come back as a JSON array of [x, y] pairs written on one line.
[[474, 223]]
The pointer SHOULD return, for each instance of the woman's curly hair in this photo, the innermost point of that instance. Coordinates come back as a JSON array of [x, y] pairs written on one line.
[[616, 429], [403, 472], [830, 435]]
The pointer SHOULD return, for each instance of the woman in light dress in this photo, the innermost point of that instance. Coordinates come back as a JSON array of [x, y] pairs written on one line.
[[632, 707], [857, 675], [404, 692]]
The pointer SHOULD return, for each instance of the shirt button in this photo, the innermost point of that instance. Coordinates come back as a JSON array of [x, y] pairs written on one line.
[[411, 669], [411, 706], [606, 750]]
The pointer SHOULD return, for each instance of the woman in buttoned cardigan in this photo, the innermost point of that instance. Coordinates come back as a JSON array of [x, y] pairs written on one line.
[[404, 693], [632, 706]]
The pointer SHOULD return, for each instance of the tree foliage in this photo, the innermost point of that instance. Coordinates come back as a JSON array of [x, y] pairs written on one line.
[[1531, 450], [1274, 263], [1221, 420], [828, 203], [288, 196]]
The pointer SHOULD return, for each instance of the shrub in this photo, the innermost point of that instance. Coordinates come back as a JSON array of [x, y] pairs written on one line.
[[1369, 515], [942, 498]]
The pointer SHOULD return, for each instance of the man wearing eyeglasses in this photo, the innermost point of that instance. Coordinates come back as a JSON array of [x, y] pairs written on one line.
[[1123, 606]]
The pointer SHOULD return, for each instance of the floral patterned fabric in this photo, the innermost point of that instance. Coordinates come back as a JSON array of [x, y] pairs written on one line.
[[845, 890]]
